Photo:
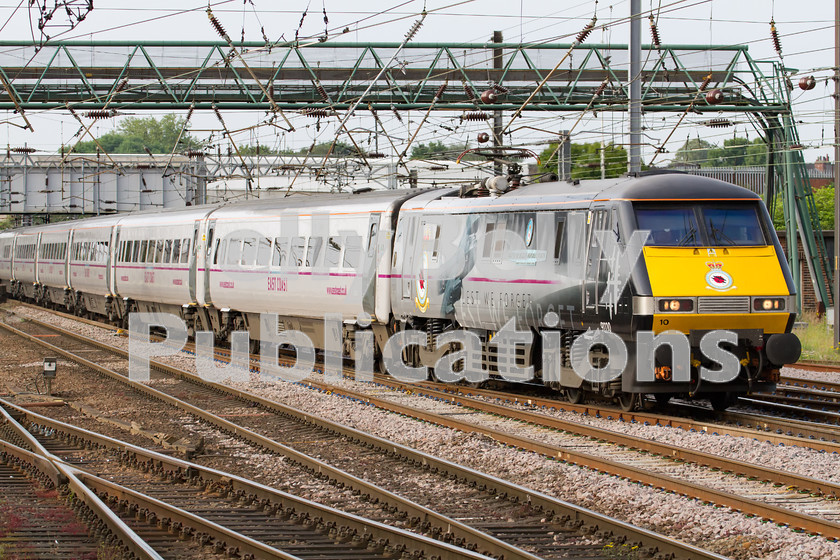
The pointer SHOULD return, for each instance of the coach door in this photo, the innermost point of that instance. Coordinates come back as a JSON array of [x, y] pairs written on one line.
[[599, 220], [370, 265], [113, 261]]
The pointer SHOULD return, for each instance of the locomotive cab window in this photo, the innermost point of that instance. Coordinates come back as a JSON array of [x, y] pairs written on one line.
[[733, 225], [714, 225], [670, 226]]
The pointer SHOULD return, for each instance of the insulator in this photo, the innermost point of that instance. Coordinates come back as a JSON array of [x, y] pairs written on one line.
[[601, 88], [489, 96], [469, 91], [195, 154], [100, 114], [807, 83], [190, 112], [415, 27], [376, 155], [322, 92], [474, 116], [584, 33], [705, 82], [714, 97], [500, 88], [217, 26], [654, 33], [315, 112], [795, 146], [121, 85], [788, 83], [718, 123], [777, 43], [440, 90], [24, 150], [396, 113], [271, 90], [483, 137]]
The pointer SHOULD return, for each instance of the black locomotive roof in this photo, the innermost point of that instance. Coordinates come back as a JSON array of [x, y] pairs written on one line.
[[666, 187]]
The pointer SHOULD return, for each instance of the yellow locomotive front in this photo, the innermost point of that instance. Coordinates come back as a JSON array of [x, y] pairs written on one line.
[[716, 265]]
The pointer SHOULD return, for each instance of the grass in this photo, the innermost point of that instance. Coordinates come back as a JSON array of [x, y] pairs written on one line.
[[817, 339]]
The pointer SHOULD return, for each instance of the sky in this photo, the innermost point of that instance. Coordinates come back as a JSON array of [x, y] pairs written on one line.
[[805, 28]]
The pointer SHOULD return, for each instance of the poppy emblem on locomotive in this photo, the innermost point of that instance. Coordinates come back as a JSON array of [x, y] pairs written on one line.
[[529, 232], [421, 300], [716, 278]]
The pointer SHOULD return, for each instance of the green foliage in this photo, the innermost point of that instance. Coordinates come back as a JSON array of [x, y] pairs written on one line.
[[435, 150], [248, 150], [322, 149], [736, 152], [586, 160], [8, 222], [824, 201], [817, 339], [136, 133]]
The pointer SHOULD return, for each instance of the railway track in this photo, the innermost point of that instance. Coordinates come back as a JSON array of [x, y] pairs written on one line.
[[722, 497], [229, 515], [36, 520], [532, 525]]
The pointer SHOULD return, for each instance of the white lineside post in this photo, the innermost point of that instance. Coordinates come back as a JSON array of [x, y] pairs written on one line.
[[634, 164]]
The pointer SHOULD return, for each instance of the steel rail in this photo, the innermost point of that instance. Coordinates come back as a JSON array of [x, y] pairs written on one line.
[[461, 530], [98, 490], [634, 442], [525, 495], [764, 510], [60, 474], [396, 536], [823, 437]]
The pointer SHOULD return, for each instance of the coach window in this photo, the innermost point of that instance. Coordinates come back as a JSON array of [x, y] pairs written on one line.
[[176, 250], [332, 256], [167, 251], [487, 242], [297, 249], [135, 251], [264, 252], [313, 252], [281, 249], [185, 250], [249, 251], [560, 252], [352, 251], [234, 251], [219, 251], [144, 248]]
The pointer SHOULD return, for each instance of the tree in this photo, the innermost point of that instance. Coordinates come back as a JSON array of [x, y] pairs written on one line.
[[736, 152], [824, 201], [694, 151], [136, 134], [435, 150], [586, 160]]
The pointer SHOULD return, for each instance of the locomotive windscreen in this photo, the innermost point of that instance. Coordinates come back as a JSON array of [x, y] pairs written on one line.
[[702, 225]]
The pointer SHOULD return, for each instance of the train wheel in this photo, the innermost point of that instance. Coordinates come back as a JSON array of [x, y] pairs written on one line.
[[720, 401], [627, 401], [574, 395]]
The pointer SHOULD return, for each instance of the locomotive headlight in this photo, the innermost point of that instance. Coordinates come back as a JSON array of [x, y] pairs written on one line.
[[676, 305], [773, 304]]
